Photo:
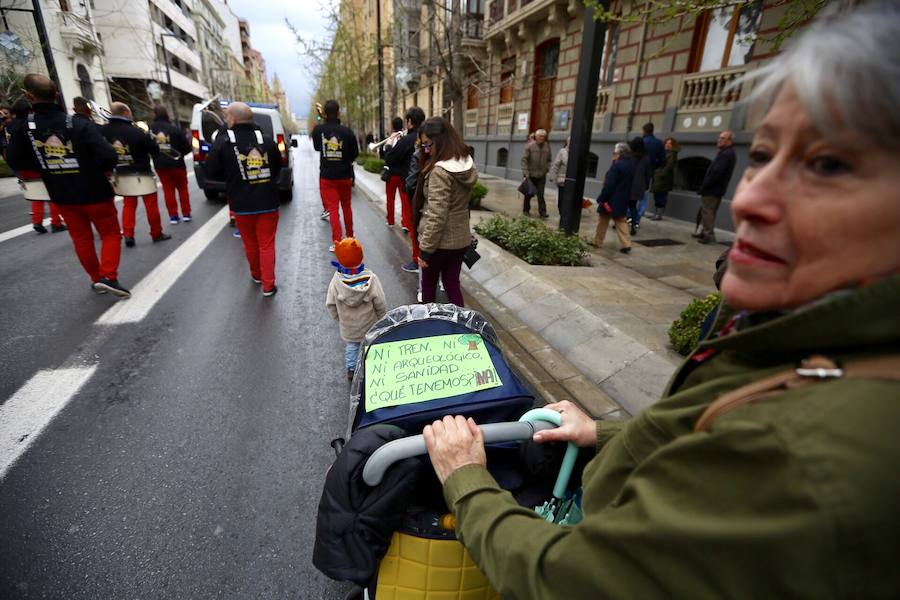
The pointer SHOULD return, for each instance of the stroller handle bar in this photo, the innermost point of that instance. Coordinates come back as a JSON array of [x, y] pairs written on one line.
[[414, 445]]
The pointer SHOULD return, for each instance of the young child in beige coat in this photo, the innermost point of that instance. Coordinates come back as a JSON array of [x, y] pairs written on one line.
[[355, 298]]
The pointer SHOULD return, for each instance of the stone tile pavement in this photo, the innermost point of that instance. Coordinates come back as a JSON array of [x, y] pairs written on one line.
[[595, 334]]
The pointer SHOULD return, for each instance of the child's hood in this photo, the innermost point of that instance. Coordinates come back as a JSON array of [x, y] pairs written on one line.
[[353, 290]]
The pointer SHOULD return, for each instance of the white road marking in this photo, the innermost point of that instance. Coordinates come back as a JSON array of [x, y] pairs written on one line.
[[151, 288], [25, 415]]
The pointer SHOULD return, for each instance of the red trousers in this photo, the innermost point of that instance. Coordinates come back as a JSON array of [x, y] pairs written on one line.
[[258, 235], [37, 213], [172, 180], [395, 184], [129, 208], [103, 216], [337, 192]]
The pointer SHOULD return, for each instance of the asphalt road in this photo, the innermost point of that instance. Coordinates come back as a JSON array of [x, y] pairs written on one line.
[[190, 463]]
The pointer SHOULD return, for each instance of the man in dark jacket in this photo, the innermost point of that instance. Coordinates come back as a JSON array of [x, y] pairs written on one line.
[[535, 166], [249, 162], [74, 160], [81, 109], [715, 182], [612, 203], [338, 149], [399, 157], [640, 183], [134, 148], [653, 147], [169, 163]]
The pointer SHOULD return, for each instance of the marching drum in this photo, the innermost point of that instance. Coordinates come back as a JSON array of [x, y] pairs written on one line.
[[34, 189], [134, 185]]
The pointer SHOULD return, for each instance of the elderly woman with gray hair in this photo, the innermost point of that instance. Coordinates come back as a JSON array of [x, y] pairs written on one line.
[[769, 469], [612, 203]]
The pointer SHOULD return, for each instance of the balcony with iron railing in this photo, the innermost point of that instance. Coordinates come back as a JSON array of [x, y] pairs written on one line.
[[78, 31], [505, 14], [603, 100]]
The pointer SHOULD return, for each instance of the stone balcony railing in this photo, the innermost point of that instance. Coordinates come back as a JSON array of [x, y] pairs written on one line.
[[471, 121], [603, 99], [710, 91], [78, 31], [505, 117]]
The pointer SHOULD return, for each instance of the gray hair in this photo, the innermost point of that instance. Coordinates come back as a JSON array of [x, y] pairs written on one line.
[[622, 149], [845, 72]]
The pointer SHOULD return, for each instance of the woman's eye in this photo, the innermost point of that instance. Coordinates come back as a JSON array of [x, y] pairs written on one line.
[[759, 157], [829, 165]]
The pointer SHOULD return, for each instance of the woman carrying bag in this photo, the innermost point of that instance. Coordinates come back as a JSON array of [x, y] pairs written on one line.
[[664, 179], [448, 175]]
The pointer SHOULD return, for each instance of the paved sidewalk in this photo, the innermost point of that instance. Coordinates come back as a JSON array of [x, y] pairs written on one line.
[[595, 334]]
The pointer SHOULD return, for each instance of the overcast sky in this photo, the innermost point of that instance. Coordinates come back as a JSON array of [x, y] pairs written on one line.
[[270, 35]]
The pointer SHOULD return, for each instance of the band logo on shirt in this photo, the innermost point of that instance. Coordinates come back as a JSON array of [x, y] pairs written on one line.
[[164, 143], [332, 149], [59, 156], [255, 165], [123, 152]]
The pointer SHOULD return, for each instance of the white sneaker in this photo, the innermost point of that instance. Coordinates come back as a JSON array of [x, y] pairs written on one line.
[[331, 248], [325, 215]]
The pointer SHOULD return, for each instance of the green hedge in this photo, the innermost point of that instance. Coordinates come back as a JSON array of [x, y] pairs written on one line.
[[373, 165], [363, 157], [5, 171], [685, 331], [534, 242], [479, 191]]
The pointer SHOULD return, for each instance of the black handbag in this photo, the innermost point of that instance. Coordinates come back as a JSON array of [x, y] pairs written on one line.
[[526, 188], [471, 256], [385, 173]]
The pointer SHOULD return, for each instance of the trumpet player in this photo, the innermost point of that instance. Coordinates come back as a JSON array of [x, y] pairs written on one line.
[[398, 158], [169, 163], [134, 147], [394, 182]]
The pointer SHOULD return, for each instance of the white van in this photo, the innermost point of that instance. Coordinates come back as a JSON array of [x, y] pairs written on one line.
[[206, 121]]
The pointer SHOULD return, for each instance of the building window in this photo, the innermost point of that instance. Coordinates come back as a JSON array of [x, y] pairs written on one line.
[[507, 71], [471, 97], [84, 82], [612, 46], [502, 157], [724, 37], [592, 162]]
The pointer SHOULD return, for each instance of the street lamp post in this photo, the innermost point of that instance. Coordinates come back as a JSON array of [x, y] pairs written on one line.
[[162, 41]]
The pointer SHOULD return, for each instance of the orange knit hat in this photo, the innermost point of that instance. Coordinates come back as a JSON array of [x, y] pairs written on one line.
[[349, 252]]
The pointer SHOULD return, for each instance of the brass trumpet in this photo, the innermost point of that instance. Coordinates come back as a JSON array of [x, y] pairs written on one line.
[[393, 137]]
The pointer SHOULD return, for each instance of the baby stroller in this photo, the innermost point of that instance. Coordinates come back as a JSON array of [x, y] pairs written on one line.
[[382, 521]]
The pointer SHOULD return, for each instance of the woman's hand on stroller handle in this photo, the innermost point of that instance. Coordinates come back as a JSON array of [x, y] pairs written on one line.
[[452, 443], [577, 426]]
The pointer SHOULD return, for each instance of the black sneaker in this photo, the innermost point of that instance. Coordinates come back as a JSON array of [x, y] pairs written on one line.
[[98, 291], [410, 267], [129, 242], [350, 374], [270, 293], [255, 280], [625, 250], [40, 228], [113, 287], [162, 237], [58, 228], [633, 230]]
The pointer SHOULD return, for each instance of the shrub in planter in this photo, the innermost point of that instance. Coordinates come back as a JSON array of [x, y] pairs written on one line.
[[373, 164], [685, 331], [479, 191], [534, 242], [5, 171], [363, 157]]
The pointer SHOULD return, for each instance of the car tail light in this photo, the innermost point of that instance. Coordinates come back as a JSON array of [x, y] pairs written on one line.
[[282, 148], [195, 145]]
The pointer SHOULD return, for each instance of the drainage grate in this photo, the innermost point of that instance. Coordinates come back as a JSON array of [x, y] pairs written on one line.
[[658, 242]]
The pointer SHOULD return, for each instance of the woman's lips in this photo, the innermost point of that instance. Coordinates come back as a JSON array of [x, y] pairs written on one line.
[[747, 253]]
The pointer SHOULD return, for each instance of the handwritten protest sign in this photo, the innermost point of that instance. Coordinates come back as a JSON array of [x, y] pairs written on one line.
[[425, 369]]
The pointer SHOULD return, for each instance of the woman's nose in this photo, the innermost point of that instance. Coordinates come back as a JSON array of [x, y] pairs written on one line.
[[761, 194]]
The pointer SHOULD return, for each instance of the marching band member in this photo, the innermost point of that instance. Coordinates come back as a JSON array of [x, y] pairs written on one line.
[[134, 177], [73, 159], [169, 163], [249, 162]]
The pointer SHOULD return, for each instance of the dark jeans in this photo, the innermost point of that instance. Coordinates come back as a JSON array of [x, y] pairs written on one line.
[[660, 199], [539, 183], [446, 265]]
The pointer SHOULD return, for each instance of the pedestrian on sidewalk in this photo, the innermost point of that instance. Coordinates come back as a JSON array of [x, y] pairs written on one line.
[[664, 179], [769, 467], [558, 175], [614, 198], [399, 157], [535, 165], [448, 176], [643, 173], [74, 161], [20, 110], [355, 298], [169, 163], [337, 149], [715, 182], [134, 147], [249, 162]]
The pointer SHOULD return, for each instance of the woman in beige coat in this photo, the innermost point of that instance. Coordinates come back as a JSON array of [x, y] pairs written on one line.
[[448, 177]]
